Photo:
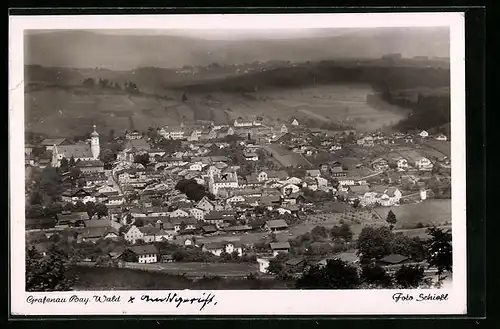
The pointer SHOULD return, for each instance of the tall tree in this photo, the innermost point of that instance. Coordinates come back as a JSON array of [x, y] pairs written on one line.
[[391, 219], [101, 210], [440, 253], [375, 274], [336, 274], [46, 273], [409, 276], [64, 166], [374, 243], [72, 162]]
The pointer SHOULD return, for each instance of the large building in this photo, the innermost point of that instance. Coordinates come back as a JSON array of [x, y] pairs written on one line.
[[83, 152]]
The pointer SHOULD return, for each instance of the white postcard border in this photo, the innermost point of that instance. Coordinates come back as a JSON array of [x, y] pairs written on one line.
[[245, 302]]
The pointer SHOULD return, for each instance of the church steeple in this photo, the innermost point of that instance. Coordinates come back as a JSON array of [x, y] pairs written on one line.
[[94, 144]]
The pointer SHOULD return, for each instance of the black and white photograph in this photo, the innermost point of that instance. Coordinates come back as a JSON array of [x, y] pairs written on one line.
[[240, 154]]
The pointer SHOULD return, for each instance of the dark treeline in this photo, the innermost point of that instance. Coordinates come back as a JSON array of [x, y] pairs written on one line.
[[380, 77]]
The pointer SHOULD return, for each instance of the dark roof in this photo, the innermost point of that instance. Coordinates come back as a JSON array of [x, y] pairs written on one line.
[[277, 223], [145, 249], [52, 141], [209, 229], [75, 150], [74, 216], [279, 245], [359, 189], [137, 144], [216, 214], [280, 174], [394, 259], [91, 163], [97, 223], [39, 223], [238, 228], [294, 261], [96, 232], [148, 230]]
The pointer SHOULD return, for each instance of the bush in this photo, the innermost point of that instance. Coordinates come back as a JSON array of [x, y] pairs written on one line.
[[419, 225]]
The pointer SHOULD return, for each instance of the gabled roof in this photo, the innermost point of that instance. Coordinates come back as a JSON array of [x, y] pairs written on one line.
[[277, 223], [279, 245], [209, 229], [143, 250], [76, 151], [238, 228], [279, 174], [90, 163], [138, 145], [72, 216], [294, 261], [97, 232], [218, 214], [394, 259], [53, 141], [97, 223]]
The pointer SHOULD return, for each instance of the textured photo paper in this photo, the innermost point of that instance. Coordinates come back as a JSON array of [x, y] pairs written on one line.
[[285, 164]]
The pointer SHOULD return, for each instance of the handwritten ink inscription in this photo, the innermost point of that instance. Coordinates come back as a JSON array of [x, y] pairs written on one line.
[[400, 297], [179, 300]]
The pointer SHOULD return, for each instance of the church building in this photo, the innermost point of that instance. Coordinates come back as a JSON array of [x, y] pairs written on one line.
[[83, 152]]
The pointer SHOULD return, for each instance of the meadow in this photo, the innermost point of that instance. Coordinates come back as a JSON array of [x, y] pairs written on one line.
[[198, 269], [64, 111], [105, 278], [428, 213]]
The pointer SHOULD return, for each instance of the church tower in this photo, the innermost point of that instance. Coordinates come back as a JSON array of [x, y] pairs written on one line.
[[55, 157], [94, 144]]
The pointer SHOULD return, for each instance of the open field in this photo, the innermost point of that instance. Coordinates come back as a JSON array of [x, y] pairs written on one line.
[[429, 212], [443, 147], [105, 278], [60, 112], [200, 269], [67, 111]]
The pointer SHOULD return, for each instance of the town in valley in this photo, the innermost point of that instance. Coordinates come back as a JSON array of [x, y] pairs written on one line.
[[248, 201]]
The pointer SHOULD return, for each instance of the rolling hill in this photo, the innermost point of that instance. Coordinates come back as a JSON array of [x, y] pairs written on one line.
[[91, 49]]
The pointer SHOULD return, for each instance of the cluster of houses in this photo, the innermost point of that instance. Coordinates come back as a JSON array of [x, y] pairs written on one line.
[[143, 204]]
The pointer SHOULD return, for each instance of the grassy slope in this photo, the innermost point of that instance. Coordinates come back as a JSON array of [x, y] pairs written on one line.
[[55, 105]]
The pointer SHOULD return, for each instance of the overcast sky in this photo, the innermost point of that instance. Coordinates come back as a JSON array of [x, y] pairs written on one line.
[[231, 34]]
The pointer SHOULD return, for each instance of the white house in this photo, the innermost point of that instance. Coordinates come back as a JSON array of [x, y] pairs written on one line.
[[365, 141], [402, 164], [283, 211], [197, 166], [145, 254], [424, 164], [293, 180], [289, 188], [263, 263], [133, 234], [197, 213], [242, 123], [206, 205], [441, 137], [116, 200], [295, 122], [235, 199], [179, 213], [424, 134], [251, 156], [217, 248], [322, 182]]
